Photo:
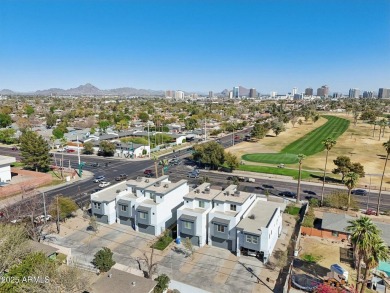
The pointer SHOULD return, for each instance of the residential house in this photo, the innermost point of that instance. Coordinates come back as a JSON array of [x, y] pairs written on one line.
[[260, 228], [192, 217], [5, 168], [229, 208]]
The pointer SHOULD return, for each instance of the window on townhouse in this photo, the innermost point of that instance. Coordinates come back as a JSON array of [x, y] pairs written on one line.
[[96, 205], [187, 225], [143, 215], [201, 204], [252, 239], [123, 208], [233, 207], [221, 228]]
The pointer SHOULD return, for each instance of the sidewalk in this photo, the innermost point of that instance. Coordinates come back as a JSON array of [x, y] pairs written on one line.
[[87, 175]]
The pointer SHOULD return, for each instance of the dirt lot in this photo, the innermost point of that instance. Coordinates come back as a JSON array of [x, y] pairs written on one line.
[[357, 142]]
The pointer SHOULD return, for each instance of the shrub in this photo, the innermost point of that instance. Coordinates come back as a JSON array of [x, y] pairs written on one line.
[[309, 218], [339, 200], [103, 259], [162, 283], [311, 258], [314, 202]]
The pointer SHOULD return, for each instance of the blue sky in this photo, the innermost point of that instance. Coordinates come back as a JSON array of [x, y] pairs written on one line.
[[195, 45]]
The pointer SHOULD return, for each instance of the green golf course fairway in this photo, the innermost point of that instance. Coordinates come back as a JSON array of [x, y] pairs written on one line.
[[309, 144]]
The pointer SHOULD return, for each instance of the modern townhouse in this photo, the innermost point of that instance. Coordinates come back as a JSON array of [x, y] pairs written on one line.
[[260, 228], [149, 205], [229, 208], [192, 217]]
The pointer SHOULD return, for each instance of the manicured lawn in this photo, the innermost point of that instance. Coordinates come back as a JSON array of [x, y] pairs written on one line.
[[308, 145], [163, 242], [291, 210], [278, 171]]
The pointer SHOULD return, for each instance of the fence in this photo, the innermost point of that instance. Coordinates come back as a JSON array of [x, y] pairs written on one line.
[[323, 233], [84, 266]]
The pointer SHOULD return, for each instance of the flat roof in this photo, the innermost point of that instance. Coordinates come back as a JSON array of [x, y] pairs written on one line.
[[40, 247], [232, 195], [7, 160], [263, 212], [203, 191], [144, 182], [195, 210], [166, 186], [116, 281], [109, 193]]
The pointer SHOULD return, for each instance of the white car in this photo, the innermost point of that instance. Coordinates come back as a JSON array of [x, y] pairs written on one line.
[[104, 184], [41, 218]]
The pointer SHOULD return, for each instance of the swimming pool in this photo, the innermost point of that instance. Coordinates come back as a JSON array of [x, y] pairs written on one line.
[[384, 267]]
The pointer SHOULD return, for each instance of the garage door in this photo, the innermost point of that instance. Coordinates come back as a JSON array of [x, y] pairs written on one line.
[[221, 243], [194, 239], [126, 221], [102, 219], [146, 229]]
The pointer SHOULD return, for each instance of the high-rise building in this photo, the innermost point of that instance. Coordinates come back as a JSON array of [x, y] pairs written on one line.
[[211, 94], [230, 95], [337, 95], [179, 95], [252, 93], [236, 92], [323, 91], [169, 94], [294, 91], [384, 93], [354, 93], [273, 94], [308, 91], [368, 95]]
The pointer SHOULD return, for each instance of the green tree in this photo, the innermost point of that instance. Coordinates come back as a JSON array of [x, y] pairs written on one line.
[[7, 135], [58, 133], [329, 143], [103, 125], [301, 157], [93, 130], [191, 123], [375, 252], [88, 148], [231, 160], [5, 120], [211, 153], [162, 283], [143, 116], [66, 207], [343, 164], [34, 151], [29, 110], [351, 180], [103, 259], [51, 120], [362, 230], [386, 145], [258, 131], [107, 148], [278, 128]]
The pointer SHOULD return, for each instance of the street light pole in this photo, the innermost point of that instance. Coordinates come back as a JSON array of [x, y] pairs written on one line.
[[369, 191], [149, 139]]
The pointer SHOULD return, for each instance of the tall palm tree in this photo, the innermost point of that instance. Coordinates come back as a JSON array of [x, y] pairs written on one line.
[[329, 143], [301, 157], [351, 180], [382, 125], [361, 231], [386, 145], [375, 252]]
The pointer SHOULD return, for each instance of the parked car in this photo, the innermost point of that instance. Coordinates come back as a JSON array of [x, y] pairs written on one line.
[[288, 194], [252, 180], [359, 192], [148, 171], [193, 175], [99, 179], [239, 178], [150, 175], [95, 164], [70, 151], [370, 212], [267, 186], [281, 166], [121, 177], [41, 219], [309, 192], [104, 184]]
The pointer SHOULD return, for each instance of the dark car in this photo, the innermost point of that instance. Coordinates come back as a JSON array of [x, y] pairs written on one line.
[[99, 178], [309, 192], [359, 192], [267, 186], [121, 177], [288, 194], [95, 165], [150, 175], [148, 171]]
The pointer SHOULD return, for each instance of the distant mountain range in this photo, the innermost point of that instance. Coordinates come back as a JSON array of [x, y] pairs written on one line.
[[90, 89]]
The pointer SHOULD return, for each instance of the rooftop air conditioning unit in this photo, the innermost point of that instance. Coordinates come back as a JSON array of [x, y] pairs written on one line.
[[166, 185], [197, 190], [227, 193], [237, 193], [146, 180], [157, 184], [207, 191], [139, 179]]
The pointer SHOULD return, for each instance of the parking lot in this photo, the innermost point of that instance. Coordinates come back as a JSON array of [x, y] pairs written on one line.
[[212, 269]]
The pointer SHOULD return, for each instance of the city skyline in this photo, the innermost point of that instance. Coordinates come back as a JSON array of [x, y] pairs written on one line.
[[195, 47]]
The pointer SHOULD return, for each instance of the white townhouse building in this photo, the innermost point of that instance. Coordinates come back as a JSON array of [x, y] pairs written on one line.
[[192, 217], [149, 205], [5, 168], [229, 208], [260, 228]]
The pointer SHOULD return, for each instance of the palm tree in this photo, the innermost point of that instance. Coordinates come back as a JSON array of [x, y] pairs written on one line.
[[386, 145], [301, 157], [382, 125], [375, 252], [329, 144], [361, 231], [351, 180]]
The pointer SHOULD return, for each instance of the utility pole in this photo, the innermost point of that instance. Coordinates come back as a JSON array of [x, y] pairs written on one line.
[[44, 205], [58, 217], [149, 139]]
